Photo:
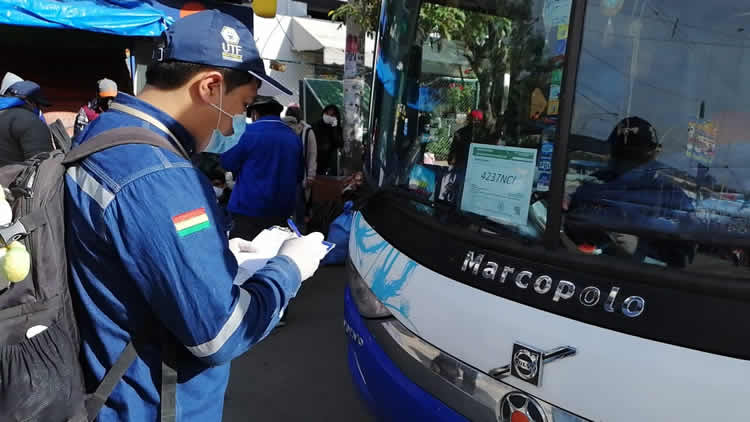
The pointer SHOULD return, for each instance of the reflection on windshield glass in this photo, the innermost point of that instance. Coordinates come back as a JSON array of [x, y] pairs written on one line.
[[465, 108], [659, 147], [466, 103]]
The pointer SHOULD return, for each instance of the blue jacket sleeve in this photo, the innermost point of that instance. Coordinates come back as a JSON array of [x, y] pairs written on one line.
[[233, 159], [169, 233]]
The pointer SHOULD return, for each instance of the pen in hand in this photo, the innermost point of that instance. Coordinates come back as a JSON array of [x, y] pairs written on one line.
[[295, 230], [293, 227]]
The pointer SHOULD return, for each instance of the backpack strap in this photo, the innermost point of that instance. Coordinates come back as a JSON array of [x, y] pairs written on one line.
[[22, 226], [60, 135], [168, 377], [119, 136], [95, 402], [168, 391], [105, 140]]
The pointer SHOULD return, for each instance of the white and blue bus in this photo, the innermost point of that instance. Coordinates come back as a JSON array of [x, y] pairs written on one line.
[[561, 226]]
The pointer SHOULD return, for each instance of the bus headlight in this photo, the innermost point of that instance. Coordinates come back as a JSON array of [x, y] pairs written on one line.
[[368, 304]]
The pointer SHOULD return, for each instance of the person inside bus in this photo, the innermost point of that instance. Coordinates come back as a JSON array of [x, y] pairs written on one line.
[[463, 138], [635, 192], [458, 156]]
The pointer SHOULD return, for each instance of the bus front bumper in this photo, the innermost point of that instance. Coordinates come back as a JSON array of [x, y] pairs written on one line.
[[389, 393], [403, 378]]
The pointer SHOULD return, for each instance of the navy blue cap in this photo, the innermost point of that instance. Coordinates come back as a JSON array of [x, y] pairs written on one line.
[[216, 39], [265, 100], [28, 90]]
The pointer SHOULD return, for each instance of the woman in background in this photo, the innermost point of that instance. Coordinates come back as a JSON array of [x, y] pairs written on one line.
[[330, 139]]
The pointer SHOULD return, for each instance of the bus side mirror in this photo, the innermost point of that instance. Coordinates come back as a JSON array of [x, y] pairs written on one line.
[[264, 8]]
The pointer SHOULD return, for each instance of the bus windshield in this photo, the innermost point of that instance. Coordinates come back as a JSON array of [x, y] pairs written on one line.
[[466, 116], [459, 85]]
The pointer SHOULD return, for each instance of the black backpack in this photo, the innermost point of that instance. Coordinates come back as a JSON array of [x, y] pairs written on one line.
[[41, 378]]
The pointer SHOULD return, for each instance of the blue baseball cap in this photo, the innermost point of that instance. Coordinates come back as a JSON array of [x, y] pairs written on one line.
[[29, 91], [216, 39]]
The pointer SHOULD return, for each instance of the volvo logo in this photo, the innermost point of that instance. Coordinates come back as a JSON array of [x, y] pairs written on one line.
[[526, 363], [560, 291], [520, 407], [353, 335]]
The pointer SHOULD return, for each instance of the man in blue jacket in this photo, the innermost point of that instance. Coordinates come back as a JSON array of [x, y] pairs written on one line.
[[635, 194], [147, 243], [269, 163]]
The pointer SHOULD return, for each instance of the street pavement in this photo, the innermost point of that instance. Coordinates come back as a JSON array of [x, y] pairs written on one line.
[[300, 371]]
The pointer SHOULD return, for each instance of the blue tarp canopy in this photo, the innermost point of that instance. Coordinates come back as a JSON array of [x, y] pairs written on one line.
[[123, 17], [175, 9]]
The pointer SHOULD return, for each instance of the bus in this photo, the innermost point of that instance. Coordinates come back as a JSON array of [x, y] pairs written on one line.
[[559, 226]]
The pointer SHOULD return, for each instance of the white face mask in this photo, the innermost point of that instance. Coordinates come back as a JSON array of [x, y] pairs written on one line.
[[330, 120], [218, 191]]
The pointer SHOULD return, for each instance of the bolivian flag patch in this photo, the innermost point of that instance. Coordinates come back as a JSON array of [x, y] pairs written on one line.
[[191, 222]]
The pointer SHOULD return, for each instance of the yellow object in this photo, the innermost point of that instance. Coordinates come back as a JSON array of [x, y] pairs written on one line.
[[265, 8], [538, 103], [554, 107], [277, 66], [16, 245], [3, 279], [15, 263]]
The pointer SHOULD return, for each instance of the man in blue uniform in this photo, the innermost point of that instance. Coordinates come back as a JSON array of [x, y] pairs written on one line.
[[147, 243], [269, 163]]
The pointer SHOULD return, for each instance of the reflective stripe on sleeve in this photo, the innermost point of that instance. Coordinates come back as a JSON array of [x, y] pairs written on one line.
[[238, 314], [91, 186]]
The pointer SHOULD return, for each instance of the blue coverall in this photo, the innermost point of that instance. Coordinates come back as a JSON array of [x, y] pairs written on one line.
[[147, 248]]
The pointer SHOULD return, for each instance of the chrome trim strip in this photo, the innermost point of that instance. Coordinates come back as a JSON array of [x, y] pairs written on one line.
[[485, 393]]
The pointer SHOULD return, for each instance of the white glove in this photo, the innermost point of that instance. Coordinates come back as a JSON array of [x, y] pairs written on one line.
[[238, 245], [229, 180], [306, 252]]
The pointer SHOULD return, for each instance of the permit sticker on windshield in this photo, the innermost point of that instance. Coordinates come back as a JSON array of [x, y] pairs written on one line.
[[498, 184]]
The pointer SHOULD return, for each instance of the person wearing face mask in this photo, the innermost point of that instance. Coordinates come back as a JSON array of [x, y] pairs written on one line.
[[106, 93], [268, 162], [330, 140], [217, 175], [151, 267], [23, 133]]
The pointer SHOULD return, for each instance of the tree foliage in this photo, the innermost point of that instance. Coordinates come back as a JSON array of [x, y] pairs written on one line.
[[438, 23], [442, 22], [494, 45], [363, 12]]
